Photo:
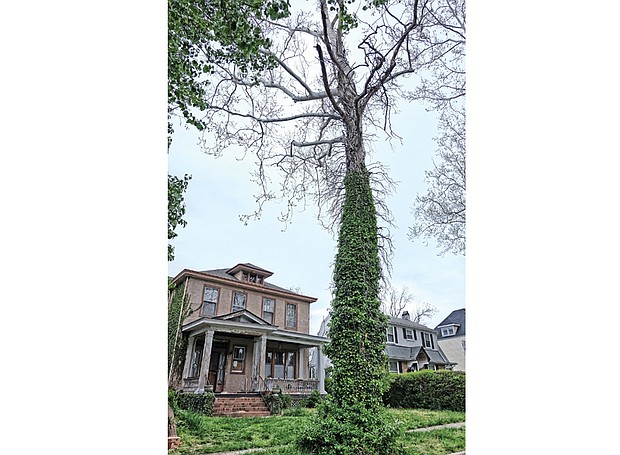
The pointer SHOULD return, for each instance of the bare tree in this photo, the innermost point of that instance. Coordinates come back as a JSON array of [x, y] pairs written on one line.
[[423, 311], [394, 301], [440, 212], [314, 116]]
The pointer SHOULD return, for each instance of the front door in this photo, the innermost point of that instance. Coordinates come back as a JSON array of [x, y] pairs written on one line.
[[216, 369]]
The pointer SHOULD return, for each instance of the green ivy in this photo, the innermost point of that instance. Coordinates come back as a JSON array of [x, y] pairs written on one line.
[[352, 419], [177, 342]]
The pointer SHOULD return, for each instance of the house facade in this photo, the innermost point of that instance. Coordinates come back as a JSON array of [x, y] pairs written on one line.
[[244, 333], [409, 347], [412, 347], [451, 338]]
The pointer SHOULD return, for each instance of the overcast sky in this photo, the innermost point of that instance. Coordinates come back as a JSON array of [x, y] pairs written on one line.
[[301, 254]]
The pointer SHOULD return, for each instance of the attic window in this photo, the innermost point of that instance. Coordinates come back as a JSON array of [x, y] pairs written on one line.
[[447, 331], [253, 278]]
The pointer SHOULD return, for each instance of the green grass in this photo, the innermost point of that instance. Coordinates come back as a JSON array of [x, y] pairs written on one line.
[[202, 435]]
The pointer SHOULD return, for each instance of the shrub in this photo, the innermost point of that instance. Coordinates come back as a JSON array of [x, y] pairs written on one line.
[[197, 402], [355, 430], [313, 400], [277, 402], [441, 390]]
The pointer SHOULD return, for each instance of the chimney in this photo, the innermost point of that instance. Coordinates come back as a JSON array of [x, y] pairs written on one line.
[[406, 315]]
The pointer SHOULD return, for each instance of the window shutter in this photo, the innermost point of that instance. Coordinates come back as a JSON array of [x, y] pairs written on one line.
[[404, 333], [395, 335], [415, 335], [432, 342]]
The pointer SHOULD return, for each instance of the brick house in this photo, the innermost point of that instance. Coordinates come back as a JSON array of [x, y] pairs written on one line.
[[245, 334]]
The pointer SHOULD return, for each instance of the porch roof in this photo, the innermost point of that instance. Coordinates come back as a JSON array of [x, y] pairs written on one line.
[[245, 322]]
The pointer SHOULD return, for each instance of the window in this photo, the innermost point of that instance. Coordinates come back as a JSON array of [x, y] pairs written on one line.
[[291, 315], [394, 367], [281, 364], [447, 331], [238, 301], [268, 309], [238, 362], [209, 301], [252, 278], [408, 334], [290, 365], [196, 358], [392, 336], [428, 341]]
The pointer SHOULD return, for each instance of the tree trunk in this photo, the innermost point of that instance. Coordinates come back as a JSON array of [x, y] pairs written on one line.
[[172, 425]]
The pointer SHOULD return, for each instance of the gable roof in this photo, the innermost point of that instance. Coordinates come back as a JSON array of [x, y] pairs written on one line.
[[243, 316], [408, 323], [457, 317]]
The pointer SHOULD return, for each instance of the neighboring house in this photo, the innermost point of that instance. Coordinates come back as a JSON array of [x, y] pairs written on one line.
[[412, 347], [451, 338], [245, 334], [409, 346]]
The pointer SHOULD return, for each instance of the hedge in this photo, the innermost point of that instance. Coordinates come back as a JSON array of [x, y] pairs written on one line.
[[197, 402], [442, 390]]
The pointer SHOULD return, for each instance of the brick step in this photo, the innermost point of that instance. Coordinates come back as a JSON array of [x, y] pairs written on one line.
[[245, 406]]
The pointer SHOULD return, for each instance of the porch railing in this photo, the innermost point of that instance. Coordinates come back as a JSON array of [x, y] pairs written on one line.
[[288, 386]]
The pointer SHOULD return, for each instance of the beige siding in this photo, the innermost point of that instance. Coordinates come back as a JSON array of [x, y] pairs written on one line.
[[453, 348]]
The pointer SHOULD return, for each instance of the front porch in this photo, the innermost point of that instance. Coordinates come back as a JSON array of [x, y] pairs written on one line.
[[246, 355]]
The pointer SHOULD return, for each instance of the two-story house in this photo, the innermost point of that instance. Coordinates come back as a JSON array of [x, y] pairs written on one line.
[[409, 347], [245, 334], [451, 337]]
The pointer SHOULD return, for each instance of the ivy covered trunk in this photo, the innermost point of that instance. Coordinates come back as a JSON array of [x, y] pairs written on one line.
[[352, 419], [357, 327]]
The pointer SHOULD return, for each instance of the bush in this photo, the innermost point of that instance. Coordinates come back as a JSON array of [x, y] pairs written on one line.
[[441, 390], [313, 400], [356, 430], [277, 402], [197, 402]]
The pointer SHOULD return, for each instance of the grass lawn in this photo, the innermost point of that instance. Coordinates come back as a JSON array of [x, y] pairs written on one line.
[[202, 435]]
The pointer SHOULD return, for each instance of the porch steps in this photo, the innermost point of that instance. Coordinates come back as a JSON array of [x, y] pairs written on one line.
[[245, 405]]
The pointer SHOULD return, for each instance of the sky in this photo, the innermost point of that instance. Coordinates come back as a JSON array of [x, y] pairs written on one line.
[[301, 254], [83, 189]]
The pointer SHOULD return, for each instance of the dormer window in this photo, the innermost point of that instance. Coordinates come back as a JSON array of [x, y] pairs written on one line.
[[253, 278], [447, 331]]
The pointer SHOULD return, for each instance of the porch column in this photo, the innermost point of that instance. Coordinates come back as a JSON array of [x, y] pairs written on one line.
[[206, 360], [301, 363], [320, 370], [188, 356], [258, 360]]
